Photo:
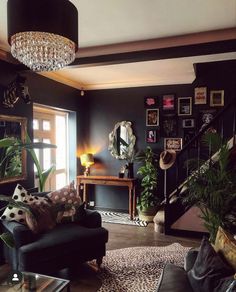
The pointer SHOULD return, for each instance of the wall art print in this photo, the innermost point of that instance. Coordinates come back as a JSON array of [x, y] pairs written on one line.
[[200, 95], [151, 136], [185, 106], [173, 144], [152, 117], [205, 117], [188, 123], [217, 98], [169, 126], [150, 101], [168, 102]]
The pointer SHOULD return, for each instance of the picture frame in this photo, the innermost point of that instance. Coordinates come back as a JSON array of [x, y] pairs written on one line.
[[151, 136], [184, 106], [173, 144], [188, 135], [169, 125], [152, 117], [188, 123], [168, 102], [150, 101], [205, 117], [216, 98], [200, 95]]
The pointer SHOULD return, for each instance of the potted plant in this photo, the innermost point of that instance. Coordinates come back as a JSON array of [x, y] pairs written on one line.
[[149, 202], [212, 187]]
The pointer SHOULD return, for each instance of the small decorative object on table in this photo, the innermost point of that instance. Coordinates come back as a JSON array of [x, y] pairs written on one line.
[[122, 171]]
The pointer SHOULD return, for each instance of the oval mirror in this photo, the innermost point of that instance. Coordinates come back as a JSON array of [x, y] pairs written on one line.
[[122, 141]]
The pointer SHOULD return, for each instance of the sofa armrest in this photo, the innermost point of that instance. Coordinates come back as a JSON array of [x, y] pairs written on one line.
[[92, 219], [22, 234], [190, 259]]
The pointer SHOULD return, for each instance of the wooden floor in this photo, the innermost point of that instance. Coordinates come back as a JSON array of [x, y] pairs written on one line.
[[122, 236]]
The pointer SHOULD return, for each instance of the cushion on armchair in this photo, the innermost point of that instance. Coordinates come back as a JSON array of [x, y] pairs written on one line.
[[21, 195], [210, 271], [41, 218], [226, 245], [66, 195]]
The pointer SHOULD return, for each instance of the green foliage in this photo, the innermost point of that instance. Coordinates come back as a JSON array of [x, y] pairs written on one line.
[[148, 172], [8, 239], [42, 174], [212, 188], [10, 158]]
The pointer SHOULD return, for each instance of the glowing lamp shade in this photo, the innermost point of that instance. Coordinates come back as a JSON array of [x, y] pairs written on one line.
[[86, 161], [43, 34]]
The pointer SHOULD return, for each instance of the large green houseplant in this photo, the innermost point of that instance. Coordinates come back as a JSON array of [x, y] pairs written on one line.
[[10, 158], [149, 201], [212, 187]]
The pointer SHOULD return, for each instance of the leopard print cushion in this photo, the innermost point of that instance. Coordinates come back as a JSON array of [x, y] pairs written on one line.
[[226, 245], [20, 195]]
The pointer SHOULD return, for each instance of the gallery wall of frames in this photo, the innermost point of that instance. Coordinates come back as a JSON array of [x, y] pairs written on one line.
[[177, 119]]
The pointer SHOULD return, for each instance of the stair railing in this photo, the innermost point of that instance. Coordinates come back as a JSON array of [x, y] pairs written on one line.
[[175, 177]]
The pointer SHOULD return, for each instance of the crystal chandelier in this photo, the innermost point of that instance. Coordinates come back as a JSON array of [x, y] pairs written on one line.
[[43, 34]]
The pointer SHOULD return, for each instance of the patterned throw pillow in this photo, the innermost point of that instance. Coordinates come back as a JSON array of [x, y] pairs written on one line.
[[43, 219], [66, 195], [226, 245], [20, 195]]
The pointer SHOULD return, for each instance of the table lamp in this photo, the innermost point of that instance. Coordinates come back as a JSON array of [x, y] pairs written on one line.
[[86, 161]]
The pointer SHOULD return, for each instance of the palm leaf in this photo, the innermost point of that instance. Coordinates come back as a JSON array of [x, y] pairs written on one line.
[[8, 239], [45, 175]]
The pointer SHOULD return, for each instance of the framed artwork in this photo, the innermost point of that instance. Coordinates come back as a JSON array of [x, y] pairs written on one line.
[[168, 102], [217, 98], [188, 136], [184, 106], [206, 116], [188, 123], [150, 101], [173, 144], [200, 95], [169, 126], [151, 136], [152, 117]]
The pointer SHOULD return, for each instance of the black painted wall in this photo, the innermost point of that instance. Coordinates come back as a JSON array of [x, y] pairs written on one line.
[[43, 91], [107, 107]]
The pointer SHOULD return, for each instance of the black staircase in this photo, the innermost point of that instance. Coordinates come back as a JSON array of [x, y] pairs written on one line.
[[225, 125]]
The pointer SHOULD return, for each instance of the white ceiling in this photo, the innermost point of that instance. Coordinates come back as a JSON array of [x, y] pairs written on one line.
[[106, 22]]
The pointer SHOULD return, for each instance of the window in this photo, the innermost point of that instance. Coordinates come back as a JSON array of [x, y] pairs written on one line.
[[51, 126]]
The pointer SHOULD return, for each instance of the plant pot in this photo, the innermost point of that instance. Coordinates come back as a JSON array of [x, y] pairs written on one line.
[[148, 214]]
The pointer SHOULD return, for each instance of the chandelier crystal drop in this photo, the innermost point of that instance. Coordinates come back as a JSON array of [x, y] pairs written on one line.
[[42, 51]]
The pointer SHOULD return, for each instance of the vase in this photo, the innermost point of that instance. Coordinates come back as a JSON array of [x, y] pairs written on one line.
[[130, 169]]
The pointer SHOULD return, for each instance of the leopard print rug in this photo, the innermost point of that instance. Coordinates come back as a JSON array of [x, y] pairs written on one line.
[[137, 269]]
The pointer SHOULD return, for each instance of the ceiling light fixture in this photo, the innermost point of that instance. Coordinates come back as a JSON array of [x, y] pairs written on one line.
[[43, 34]]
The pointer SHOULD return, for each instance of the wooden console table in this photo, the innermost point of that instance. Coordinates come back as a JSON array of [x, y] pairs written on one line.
[[110, 181]]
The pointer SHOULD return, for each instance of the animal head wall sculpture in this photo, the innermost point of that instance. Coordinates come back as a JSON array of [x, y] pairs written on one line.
[[15, 90]]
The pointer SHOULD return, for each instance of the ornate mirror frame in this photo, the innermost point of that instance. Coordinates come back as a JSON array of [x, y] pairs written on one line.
[[112, 141], [23, 129]]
